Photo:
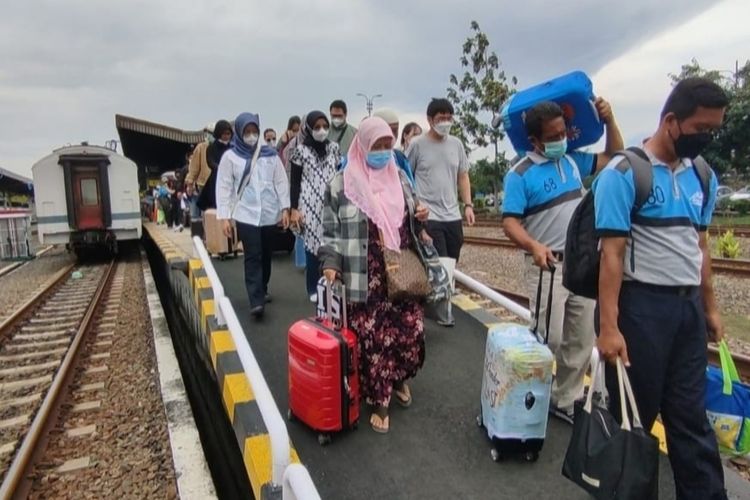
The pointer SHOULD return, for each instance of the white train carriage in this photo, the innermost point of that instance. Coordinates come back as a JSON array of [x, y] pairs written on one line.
[[87, 196]]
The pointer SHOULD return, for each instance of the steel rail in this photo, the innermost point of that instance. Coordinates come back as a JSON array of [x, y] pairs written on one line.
[[27, 306], [23, 458]]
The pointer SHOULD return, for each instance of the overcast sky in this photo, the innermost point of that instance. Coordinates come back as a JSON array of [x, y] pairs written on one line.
[[67, 67]]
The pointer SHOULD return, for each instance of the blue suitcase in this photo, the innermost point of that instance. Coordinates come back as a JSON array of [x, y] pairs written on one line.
[[516, 388], [574, 93]]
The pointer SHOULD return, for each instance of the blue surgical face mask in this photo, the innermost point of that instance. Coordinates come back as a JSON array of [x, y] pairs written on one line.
[[556, 149], [378, 159]]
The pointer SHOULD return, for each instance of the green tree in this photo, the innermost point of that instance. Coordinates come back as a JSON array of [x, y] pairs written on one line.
[[486, 177], [477, 96], [730, 152]]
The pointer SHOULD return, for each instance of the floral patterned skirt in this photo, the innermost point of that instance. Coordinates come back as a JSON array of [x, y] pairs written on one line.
[[391, 335]]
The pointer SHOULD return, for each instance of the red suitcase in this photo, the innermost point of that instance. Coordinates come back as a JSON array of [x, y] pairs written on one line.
[[324, 373]]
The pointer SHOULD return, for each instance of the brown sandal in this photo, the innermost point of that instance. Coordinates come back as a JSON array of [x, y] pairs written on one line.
[[403, 395], [379, 424]]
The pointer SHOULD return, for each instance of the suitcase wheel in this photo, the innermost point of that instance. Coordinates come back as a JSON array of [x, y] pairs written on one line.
[[290, 416], [531, 456], [324, 439], [496, 456], [480, 421]]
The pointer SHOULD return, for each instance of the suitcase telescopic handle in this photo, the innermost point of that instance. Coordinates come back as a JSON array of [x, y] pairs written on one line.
[[537, 305], [329, 304]]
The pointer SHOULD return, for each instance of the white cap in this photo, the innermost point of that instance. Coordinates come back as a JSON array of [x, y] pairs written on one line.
[[387, 114]]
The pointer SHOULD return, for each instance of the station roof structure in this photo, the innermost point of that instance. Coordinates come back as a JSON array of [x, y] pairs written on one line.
[[155, 147], [11, 182]]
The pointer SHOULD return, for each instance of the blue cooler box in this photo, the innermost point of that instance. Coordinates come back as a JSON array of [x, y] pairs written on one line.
[[575, 95]]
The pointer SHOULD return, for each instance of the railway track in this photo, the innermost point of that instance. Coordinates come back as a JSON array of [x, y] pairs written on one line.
[[739, 230], [39, 348], [737, 267], [741, 361]]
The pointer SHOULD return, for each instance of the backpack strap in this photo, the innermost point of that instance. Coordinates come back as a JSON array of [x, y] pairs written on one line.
[[643, 179], [643, 175], [703, 171]]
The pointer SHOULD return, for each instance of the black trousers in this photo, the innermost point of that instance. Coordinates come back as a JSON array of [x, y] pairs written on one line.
[[665, 334], [448, 237], [256, 245]]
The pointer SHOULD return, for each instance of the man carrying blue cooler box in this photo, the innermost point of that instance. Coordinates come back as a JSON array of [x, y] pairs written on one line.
[[541, 192]]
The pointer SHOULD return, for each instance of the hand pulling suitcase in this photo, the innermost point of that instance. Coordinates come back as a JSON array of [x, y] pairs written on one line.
[[575, 95], [516, 387], [323, 373], [216, 242]]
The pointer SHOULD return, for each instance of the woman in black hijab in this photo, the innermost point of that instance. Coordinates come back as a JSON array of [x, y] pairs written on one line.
[[222, 135], [313, 164]]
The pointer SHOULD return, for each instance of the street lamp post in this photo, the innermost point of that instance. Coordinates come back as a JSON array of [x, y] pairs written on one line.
[[369, 100]]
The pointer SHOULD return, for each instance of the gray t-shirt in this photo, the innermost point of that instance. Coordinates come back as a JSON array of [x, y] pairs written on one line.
[[436, 167]]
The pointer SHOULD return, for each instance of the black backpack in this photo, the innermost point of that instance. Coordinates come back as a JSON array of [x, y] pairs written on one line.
[[581, 269]]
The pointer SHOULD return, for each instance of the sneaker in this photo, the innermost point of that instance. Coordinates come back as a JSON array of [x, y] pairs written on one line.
[[446, 324], [563, 414], [314, 298], [268, 298], [257, 312]]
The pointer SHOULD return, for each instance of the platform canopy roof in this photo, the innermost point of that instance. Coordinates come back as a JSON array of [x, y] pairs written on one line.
[[155, 147], [11, 182]]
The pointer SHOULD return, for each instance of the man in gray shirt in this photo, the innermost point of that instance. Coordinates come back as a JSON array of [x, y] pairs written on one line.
[[441, 173]]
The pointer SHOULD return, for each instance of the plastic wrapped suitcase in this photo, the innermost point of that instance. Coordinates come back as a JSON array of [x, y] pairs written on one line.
[[516, 388], [574, 93], [216, 242], [323, 373]]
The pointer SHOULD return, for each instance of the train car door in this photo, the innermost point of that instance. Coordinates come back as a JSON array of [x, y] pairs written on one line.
[[87, 199]]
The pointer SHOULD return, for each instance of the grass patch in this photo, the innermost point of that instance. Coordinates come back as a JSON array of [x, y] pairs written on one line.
[[730, 221], [737, 326]]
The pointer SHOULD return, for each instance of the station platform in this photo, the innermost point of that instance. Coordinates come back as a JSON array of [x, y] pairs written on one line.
[[434, 448]]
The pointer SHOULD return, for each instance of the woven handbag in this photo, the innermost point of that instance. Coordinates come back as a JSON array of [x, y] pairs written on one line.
[[406, 276]]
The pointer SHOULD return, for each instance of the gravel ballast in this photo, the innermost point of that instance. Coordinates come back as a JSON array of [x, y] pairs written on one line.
[[129, 452], [20, 285]]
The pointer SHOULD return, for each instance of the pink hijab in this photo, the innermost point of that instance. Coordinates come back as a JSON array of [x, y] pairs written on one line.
[[378, 193]]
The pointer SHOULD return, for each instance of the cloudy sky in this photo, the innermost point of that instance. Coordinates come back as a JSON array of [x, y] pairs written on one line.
[[67, 67]]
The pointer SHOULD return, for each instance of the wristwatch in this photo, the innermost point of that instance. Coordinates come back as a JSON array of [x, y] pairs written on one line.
[[470, 205]]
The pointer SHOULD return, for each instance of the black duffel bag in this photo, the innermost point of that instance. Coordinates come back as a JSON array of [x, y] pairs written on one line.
[[607, 459]]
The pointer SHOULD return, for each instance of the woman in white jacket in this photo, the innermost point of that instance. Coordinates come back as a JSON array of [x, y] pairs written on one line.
[[253, 190]]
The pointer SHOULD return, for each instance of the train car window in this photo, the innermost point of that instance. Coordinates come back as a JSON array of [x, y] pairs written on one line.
[[89, 192]]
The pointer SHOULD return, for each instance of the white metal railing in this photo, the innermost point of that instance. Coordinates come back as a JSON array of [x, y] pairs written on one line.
[[298, 484], [295, 483], [489, 293]]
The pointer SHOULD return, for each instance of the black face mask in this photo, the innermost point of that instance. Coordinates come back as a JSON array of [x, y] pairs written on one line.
[[691, 145]]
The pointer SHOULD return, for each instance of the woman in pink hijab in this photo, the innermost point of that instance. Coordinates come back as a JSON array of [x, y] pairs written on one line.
[[367, 208]]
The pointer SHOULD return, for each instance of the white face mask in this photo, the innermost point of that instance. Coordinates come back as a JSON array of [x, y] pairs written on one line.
[[338, 122], [271, 142], [223, 142], [320, 135], [250, 139], [443, 128]]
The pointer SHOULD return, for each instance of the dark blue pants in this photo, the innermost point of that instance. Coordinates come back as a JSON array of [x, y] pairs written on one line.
[[312, 272], [256, 245], [665, 333]]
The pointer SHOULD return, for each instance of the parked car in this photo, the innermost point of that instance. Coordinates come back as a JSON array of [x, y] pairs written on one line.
[[724, 192], [741, 194]]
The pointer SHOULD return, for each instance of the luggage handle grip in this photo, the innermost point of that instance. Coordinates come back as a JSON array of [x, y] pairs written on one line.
[[537, 305], [344, 323]]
